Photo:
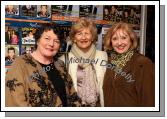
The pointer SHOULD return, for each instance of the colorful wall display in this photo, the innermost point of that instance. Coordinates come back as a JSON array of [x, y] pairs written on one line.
[[21, 22]]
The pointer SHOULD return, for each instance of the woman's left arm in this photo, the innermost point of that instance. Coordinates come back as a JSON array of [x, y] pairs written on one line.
[[72, 96], [147, 90]]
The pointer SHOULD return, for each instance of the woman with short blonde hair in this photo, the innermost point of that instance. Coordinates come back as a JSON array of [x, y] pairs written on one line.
[[84, 63], [84, 23], [129, 78], [125, 27]]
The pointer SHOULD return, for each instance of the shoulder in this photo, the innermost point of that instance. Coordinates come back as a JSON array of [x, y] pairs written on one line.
[[141, 59], [101, 54], [59, 63], [20, 59], [62, 58], [21, 65], [98, 52], [60, 66], [24, 60], [68, 55]]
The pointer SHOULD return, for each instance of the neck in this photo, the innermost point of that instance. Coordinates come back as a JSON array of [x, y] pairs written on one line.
[[85, 50], [40, 58], [43, 12]]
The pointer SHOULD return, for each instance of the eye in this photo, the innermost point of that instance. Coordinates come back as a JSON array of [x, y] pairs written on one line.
[[46, 38], [78, 34], [123, 37], [57, 41], [114, 39]]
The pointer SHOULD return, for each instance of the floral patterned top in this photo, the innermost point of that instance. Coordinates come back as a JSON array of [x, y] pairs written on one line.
[[27, 84]]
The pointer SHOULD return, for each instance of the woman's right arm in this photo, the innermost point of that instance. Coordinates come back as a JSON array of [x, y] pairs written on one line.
[[15, 95]]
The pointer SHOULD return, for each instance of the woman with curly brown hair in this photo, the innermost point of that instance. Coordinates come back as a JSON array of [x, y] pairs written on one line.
[[36, 79]]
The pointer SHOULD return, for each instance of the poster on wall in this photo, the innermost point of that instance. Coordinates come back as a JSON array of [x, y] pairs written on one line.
[[113, 13], [11, 35], [138, 39], [133, 13], [85, 11], [126, 13], [98, 42], [65, 12], [11, 52], [28, 35], [28, 10], [7, 68], [75, 12], [65, 39], [94, 12], [11, 10], [31, 12], [43, 11], [104, 32], [26, 49]]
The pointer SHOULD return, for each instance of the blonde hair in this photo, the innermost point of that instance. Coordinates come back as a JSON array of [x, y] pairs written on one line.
[[84, 23], [125, 27]]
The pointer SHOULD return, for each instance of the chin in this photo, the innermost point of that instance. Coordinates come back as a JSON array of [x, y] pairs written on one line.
[[86, 47], [50, 54], [120, 51]]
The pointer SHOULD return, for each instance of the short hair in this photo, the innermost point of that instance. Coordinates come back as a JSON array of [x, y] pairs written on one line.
[[45, 27], [11, 48], [44, 5], [125, 27], [84, 23]]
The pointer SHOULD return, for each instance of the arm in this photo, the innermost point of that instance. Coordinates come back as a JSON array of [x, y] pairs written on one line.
[[147, 84], [72, 96], [100, 74], [15, 86]]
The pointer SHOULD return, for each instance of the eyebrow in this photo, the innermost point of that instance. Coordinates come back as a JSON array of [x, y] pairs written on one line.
[[47, 35]]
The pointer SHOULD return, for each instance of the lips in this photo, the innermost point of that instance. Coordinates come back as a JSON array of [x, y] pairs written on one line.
[[120, 48], [84, 41], [49, 49]]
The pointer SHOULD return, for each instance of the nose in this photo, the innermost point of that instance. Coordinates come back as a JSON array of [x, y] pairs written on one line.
[[83, 36], [119, 41], [51, 43]]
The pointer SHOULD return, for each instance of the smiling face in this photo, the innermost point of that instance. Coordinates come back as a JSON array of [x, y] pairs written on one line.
[[120, 41], [10, 8], [106, 12], [43, 9], [48, 44], [11, 53], [83, 39]]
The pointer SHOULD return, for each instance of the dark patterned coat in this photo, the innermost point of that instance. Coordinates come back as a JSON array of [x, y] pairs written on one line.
[[27, 84]]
